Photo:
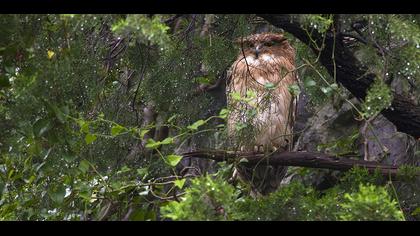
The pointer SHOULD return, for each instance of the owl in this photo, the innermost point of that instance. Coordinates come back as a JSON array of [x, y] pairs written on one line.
[[261, 103]]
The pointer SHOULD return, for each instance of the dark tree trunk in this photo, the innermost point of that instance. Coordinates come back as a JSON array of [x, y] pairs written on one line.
[[403, 113]]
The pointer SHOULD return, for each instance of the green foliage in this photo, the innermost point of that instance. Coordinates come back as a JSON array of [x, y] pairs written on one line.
[[280, 205], [408, 173], [357, 176], [378, 98], [90, 138], [312, 83], [319, 22], [30, 190], [342, 145], [196, 124], [407, 29], [220, 48], [116, 130], [294, 90], [173, 160], [370, 203], [73, 88], [207, 199], [144, 28]]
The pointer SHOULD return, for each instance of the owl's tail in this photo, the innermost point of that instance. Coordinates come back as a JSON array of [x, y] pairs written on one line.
[[263, 178]]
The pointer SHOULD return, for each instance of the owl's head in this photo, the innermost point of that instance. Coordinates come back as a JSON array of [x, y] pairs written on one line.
[[265, 43]]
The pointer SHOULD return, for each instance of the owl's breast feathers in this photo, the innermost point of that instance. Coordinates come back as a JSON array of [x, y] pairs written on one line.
[[269, 76]]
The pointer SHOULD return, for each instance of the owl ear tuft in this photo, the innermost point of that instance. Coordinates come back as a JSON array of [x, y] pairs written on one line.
[[279, 38], [240, 41]]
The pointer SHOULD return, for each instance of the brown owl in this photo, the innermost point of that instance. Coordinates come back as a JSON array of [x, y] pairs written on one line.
[[258, 96]]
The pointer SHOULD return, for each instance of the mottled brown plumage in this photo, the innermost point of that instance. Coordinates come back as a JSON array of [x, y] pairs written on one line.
[[265, 66]]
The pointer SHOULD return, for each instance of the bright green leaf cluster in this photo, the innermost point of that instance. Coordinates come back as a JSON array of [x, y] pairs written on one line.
[[378, 98]]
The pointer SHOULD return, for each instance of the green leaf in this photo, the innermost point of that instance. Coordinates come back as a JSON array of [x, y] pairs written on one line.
[[236, 96], [172, 118], [143, 132], [84, 126], [251, 113], [416, 211], [138, 215], [57, 112], [152, 144], [11, 172], [67, 180], [150, 216], [84, 191], [203, 80], [179, 183], [196, 124], [116, 129], [240, 126], [223, 113], [294, 89], [269, 86], [10, 69], [123, 169], [28, 181], [143, 172], [90, 138], [57, 193], [251, 94], [119, 25], [173, 160], [167, 140], [41, 126], [68, 157], [309, 83], [84, 166], [60, 116]]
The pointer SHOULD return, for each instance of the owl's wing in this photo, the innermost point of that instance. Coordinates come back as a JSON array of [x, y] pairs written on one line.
[[229, 74]]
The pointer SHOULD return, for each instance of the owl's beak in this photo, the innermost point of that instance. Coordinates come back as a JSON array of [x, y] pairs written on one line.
[[257, 50]]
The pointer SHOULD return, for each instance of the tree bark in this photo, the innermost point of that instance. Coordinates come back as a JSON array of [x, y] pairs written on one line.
[[403, 113], [303, 159]]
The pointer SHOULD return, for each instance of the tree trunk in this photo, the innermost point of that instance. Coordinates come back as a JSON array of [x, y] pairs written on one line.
[[403, 113]]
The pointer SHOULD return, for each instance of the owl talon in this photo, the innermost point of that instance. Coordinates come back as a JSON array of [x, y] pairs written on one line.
[[259, 148]]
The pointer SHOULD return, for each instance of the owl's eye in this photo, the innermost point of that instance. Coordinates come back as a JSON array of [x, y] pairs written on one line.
[[269, 44], [249, 44]]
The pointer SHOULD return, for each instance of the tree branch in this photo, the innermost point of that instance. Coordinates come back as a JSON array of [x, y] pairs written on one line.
[[403, 113], [303, 159]]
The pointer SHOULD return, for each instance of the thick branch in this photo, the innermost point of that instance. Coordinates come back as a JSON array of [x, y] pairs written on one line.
[[403, 113], [303, 159]]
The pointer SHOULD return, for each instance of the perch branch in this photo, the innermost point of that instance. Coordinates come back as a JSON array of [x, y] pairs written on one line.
[[303, 159]]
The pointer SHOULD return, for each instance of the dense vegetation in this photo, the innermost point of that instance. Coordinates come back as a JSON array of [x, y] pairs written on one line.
[[96, 111]]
